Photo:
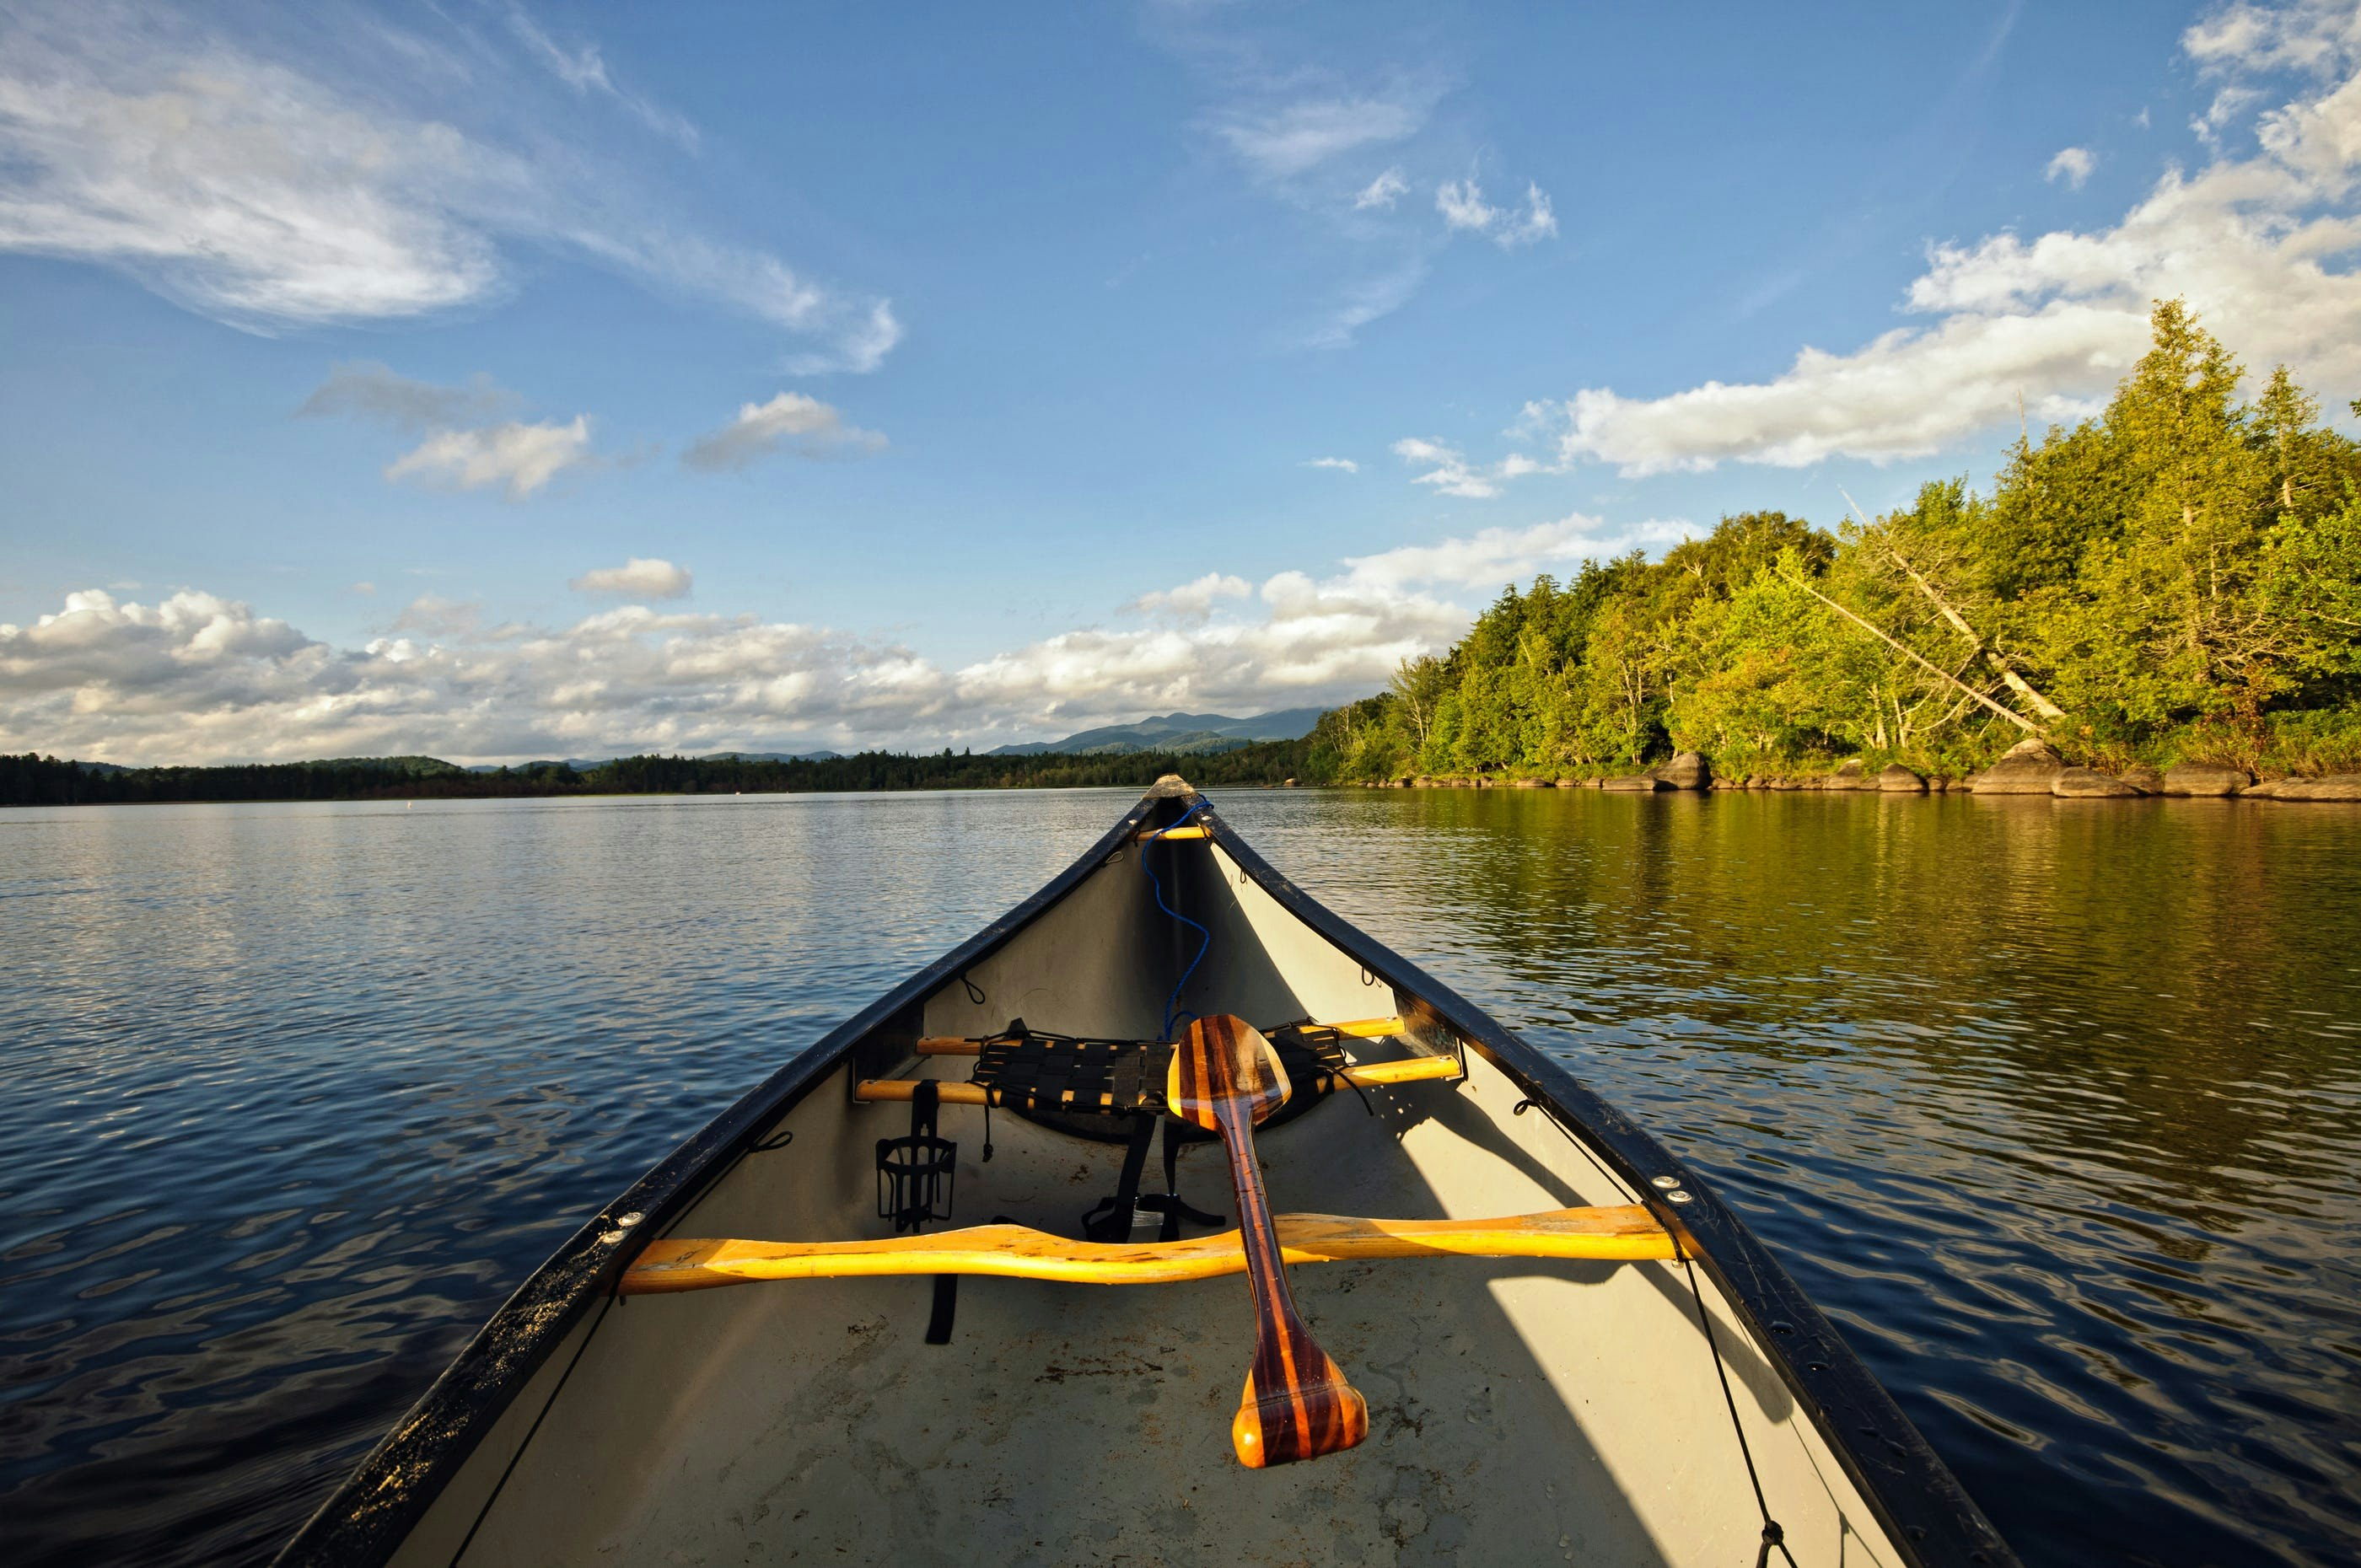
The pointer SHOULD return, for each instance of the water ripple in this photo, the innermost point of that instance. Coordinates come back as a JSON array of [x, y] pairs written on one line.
[[2056, 1111]]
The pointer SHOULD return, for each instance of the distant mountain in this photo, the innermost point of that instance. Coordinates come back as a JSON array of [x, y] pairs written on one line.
[[584, 764], [408, 767], [1175, 732]]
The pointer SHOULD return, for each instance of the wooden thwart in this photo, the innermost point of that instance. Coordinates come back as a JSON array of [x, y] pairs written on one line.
[[972, 1044], [1369, 1075], [1620, 1234]]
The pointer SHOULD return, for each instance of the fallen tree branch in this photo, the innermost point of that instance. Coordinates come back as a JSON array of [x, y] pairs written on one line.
[[2028, 726], [2016, 683]]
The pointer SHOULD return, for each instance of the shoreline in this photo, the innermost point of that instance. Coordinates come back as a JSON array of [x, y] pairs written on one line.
[[2030, 768]]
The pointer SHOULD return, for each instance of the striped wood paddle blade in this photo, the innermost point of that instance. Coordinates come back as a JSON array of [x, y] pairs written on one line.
[[1221, 1065], [1224, 1077]]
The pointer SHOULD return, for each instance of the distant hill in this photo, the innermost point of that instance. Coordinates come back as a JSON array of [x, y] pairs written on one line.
[[408, 767], [584, 764], [1183, 732]]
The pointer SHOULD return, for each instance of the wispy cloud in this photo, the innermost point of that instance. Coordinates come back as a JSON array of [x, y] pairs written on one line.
[[268, 196], [1343, 464], [1462, 205], [1381, 193], [640, 578], [582, 68], [2260, 243], [1448, 470], [1361, 302], [789, 423], [1295, 137], [2072, 165]]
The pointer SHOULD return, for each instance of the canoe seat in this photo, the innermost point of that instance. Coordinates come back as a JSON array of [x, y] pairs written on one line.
[[1071, 1082], [1031, 1069]]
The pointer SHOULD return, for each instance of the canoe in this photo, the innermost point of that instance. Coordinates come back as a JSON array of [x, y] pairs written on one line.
[[1169, 1219]]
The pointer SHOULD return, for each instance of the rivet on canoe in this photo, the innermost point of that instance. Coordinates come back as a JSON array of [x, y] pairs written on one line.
[[1667, 1182]]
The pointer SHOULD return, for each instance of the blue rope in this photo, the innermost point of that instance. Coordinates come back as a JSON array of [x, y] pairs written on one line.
[[1205, 937]]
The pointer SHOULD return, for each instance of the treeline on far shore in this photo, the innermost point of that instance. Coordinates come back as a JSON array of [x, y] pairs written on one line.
[[30, 780], [2177, 579]]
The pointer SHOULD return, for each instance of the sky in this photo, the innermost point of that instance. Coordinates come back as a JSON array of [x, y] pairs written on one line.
[[498, 381]]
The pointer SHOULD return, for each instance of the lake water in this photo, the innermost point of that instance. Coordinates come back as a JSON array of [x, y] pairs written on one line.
[[2055, 1106]]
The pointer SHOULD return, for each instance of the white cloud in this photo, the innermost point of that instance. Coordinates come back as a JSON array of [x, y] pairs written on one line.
[[1315, 641], [199, 679], [1447, 467], [2316, 38], [1318, 640], [1463, 207], [2074, 165], [516, 457], [1451, 474], [861, 345], [1295, 137], [1497, 555], [1343, 464], [270, 196], [2259, 245], [789, 423], [460, 449], [639, 577], [1382, 193], [1192, 601]]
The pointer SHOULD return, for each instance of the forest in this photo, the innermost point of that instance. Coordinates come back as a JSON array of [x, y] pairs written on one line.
[[30, 780], [2175, 579]]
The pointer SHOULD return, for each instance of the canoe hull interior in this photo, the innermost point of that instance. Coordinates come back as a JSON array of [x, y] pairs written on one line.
[[1520, 1409]]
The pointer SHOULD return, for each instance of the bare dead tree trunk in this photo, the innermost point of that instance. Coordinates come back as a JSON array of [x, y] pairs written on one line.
[[1912, 655], [1984, 650]]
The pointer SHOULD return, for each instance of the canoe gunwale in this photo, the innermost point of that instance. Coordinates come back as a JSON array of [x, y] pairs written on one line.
[[1926, 1514], [365, 1519]]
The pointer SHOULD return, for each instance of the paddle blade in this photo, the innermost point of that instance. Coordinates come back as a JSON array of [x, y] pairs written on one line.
[[1224, 1063], [1282, 1424]]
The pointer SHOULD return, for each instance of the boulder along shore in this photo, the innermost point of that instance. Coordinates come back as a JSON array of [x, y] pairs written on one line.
[[2030, 767]]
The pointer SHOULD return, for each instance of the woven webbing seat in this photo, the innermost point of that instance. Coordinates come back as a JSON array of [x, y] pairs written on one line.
[[1033, 1073]]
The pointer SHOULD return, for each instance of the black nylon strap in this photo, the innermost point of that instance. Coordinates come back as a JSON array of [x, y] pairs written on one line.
[[1110, 1219]]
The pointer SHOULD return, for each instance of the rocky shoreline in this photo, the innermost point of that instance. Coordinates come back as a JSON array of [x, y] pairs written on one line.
[[2031, 767]]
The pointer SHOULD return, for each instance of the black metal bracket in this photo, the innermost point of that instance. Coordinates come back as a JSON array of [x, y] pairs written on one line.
[[916, 1175]]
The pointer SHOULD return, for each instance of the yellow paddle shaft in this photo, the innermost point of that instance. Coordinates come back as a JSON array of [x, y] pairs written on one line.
[[1613, 1234]]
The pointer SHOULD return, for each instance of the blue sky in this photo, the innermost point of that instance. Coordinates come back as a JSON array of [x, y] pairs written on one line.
[[500, 381]]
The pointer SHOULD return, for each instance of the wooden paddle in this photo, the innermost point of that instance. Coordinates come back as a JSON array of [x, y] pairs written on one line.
[[1226, 1078]]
